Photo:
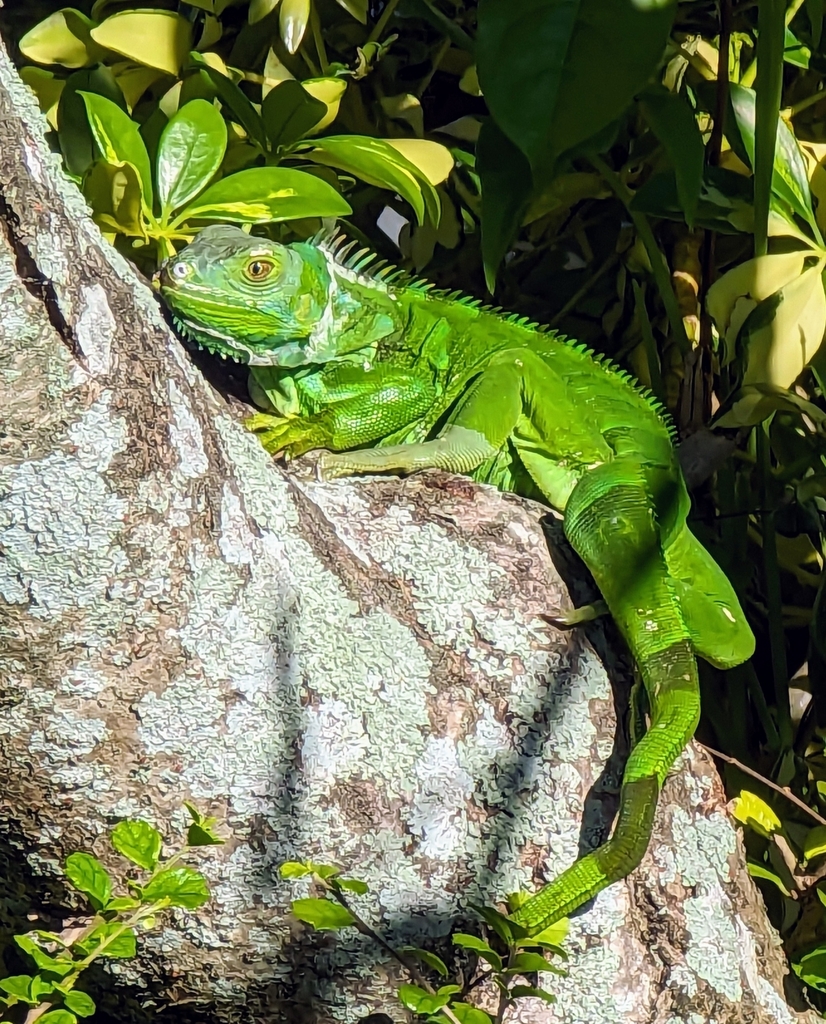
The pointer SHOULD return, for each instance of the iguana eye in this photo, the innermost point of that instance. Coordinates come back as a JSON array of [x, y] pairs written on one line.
[[180, 270], [257, 270]]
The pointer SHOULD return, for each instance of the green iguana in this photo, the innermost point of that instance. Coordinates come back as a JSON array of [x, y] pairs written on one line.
[[364, 361]]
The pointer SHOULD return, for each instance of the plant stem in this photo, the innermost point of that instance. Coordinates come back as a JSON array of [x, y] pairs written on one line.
[[318, 39], [659, 267], [381, 24], [767, 109]]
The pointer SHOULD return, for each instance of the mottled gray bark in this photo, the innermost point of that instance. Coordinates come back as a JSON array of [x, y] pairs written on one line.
[[352, 672]]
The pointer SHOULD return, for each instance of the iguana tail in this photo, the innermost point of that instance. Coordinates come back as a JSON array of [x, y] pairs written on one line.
[[611, 522]]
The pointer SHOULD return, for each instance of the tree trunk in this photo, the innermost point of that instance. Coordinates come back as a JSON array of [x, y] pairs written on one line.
[[353, 672]]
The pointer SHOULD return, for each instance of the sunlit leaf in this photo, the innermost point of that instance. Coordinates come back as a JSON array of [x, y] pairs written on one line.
[[139, 841], [62, 38], [673, 122], [159, 39], [46, 87], [87, 874], [289, 113], [433, 160], [190, 152], [293, 16], [262, 194], [321, 914], [118, 138], [749, 809], [259, 9]]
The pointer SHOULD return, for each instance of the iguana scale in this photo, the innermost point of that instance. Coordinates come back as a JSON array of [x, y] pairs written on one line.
[[388, 374]]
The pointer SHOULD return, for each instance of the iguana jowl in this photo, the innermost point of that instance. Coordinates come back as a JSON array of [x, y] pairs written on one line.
[[351, 356]]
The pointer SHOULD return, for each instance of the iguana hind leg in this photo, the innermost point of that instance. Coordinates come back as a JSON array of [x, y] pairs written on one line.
[[610, 522]]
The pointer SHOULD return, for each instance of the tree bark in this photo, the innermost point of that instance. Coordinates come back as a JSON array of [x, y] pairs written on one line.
[[353, 672]]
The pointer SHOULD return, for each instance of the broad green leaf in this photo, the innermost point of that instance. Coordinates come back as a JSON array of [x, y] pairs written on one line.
[[480, 947], [427, 958], [118, 139], [815, 842], [673, 122], [182, 886], [733, 296], [374, 161], [321, 914], [289, 112], [526, 963], [87, 874], [531, 990], [114, 193], [433, 160], [352, 885], [134, 80], [201, 835], [550, 938], [505, 927], [780, 344], [754, 812], [795, 52], [46, 87], [80, 1003], [263, 194], [158, 39], [112, 940], [191, 149], [329, 91], [18, 985], [77, 142], [564, 191], [40, 987], [233, 99], [120, 903], [260, 9], [293, 16], [139, 841], [554, 74], [506, 188], [58, 1017], [54, 965], [789, 178], [814, 9], [467, 1014], [358, 8], [294, 869], [811, 968], [62, 38], [420, 1001]]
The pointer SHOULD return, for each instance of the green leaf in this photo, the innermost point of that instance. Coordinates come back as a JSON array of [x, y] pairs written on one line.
[[506, 188], [139, 842], [811, 968], [420, 1001], [234, 100], [467, 1014], [19, 986], [62, 38], [80, 1003], [158, 39], [118, 139], [427, 958], [183, 887], [531, 990], [795, 52], [352, 885], [505, 927], [191, 149], [526, 963], [789, 178], [760, 871], [121, 903], [751, 810], [263, 194], [294, 869], [550, 938], [111, 939], [200, 835], [673, 122], [321, 913], [478, 946], [553, 74], [376, 162], [289, 112], [58, 1017], [77, 143], [44, 962], [114, 193], [292, 22], [815, 843], [87, 874], [814, 9]]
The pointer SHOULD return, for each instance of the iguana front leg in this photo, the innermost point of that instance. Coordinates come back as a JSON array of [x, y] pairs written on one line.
[[356, 410]]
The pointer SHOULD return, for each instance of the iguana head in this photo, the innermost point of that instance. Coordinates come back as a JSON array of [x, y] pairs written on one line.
[[248, 298]]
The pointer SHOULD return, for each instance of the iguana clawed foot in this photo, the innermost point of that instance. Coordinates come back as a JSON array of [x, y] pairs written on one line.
[[577, 616], [289, 436]]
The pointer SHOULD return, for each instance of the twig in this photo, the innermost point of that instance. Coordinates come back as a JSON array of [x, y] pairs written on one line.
[[782, 790]]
